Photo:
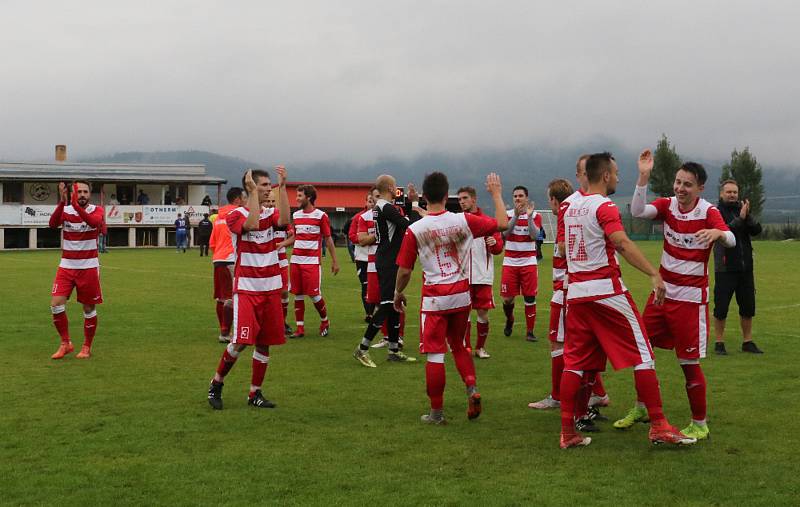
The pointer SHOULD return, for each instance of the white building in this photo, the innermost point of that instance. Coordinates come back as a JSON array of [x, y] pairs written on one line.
[[29, 194]]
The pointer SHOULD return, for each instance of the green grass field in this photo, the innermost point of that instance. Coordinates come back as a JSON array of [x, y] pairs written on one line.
[[132, 426]]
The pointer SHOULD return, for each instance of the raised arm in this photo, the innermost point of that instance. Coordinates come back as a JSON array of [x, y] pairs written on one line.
[[282, 200], [495, 188], [58, 214], [639, 206], [253, 204]]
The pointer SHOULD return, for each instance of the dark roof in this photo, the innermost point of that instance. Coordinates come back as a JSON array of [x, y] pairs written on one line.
[[140, 173]]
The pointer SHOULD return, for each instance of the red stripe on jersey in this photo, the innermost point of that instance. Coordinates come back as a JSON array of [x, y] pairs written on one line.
[[445, 289], [260, 241]]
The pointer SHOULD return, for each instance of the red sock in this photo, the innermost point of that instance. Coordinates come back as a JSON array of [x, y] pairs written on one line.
[[299, 311], [696, 390], [260, 362], [508, 309], [62, 325], [89, 328], [557, 365], [483, 333], [530, 317], [226, 363], [465, 366], [320, 306], [570, 385], [599, 389], [582, 399], [435, 380], [221, 316], [227, 319], [648, 392]]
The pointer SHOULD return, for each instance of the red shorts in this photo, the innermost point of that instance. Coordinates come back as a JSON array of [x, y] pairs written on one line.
[[556, 323], [438, 330], [607, 328], [304, 279], [87, 282], [518, 280], [678, 325], [373, 289], [482, 297], [285, 278], [258, 319], [223, 281]]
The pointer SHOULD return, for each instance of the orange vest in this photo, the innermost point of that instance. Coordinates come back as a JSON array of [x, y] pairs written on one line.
[[220, 241]]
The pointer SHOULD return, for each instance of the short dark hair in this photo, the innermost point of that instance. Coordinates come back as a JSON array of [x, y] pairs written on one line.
[[309, 192], [469, 190], [84, 182], [435, 187], [729, 181], [521, 187], [559, 189], [697, 169], [257, 173], [578, 162], [598, 164], [234, 193]]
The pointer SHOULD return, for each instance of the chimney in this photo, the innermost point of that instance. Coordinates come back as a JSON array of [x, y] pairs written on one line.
[[61, 153]]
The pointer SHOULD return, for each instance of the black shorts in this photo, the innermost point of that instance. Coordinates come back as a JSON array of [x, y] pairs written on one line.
[[741, 283], [387, 278]]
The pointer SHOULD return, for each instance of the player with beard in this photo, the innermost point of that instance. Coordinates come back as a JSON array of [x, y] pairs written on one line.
[[79, 267]]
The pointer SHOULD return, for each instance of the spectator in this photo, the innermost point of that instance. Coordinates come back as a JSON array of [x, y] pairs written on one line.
[[206, 201], [540, 237], [102, 238], [113, 200], [733, 269], [167, 197], [204, 228], [180, 201], [142, 199], [181, 227]]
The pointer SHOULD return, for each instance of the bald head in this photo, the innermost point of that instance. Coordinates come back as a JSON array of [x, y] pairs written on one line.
[[386, 184]]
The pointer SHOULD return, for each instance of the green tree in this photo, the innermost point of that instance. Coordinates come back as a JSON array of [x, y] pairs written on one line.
[[665, 164], [745, 169]]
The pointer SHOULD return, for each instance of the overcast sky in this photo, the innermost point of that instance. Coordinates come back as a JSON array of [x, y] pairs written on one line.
[[303, 81]]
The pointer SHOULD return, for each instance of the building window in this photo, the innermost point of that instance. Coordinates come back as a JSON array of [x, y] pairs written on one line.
[[12, 191]]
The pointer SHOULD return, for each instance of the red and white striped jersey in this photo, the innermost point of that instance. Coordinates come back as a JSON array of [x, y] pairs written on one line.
[[442, 241], [481, 271], [520, 247], [594, 273], [366, 223], [559, 257], [360, 252], [684, 261], [79, 248], [310, 229], [257, 269], [281, 233]]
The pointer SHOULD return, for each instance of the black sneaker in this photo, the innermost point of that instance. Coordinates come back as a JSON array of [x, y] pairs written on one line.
[[259, 401], [531, 337], [751, 348], [287, 329], [585, 424], [595, 415], [215, 395], [719, 349], [509, 326]]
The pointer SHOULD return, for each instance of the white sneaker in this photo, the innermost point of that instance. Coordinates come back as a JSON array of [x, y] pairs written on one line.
[[381, 344], [598, 401], [224, 339], [482, 354], [545, 404]]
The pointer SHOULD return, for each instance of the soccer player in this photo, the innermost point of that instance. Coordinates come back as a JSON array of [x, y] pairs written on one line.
[[181, 226], [520, 271], [559, 193], [223, 259], [390, 225], [442, 241], [362, 253], [256, 284], [691, 226], [79, 267], [311, 228], [602, 321], [481, 271], [284, 236]]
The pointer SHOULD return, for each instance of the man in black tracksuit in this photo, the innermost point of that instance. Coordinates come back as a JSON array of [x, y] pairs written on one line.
[[733, 268]]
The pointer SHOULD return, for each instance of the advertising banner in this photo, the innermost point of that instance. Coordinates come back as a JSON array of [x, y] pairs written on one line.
[[10, 214], [36, 215]]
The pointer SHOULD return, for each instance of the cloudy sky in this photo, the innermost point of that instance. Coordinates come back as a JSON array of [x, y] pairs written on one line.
[[302, 81]]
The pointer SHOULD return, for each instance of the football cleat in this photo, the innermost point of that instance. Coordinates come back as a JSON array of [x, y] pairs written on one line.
[[634, 415], [400, 357], [509, 326], [381, 344], [545, 404], [573, 440], [287, 329], [529, 336], [696, 431], [482, 354], [258, 400], [719, 349], [362, 356], [474, 405], [298, 333], [595, 415], [85, 353], [63, 349], [599, 401], [215, 395], [666, 434], [324, 327], [430, 419], [224, 338], [586, 424]]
